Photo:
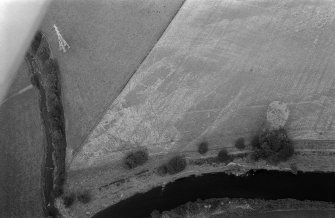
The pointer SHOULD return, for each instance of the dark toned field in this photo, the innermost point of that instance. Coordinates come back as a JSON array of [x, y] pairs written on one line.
[[21, 158]]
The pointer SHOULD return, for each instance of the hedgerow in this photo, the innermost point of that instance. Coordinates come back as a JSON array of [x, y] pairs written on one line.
[[274, 146]]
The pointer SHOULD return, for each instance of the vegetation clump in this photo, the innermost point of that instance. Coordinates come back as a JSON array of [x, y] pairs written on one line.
[[294, 169], [43, 53], [223, 156], [50, 78], [68, 200], [84, 197], [240, 143], [173, 166], [162, 170], [36, 42], [274, 146], [35, 81], [135, 158], [57, 190], [176, 165], [203, 148], [40, 48]]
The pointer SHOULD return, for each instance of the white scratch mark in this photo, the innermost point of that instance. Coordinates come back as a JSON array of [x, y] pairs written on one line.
[[61, 41], [18, 93]]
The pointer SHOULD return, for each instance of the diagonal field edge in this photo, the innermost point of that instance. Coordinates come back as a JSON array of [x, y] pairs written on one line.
[[100, 116]]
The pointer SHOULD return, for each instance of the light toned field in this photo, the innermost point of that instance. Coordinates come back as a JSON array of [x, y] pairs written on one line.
[[21, 141], [214, 72], [211, 77]]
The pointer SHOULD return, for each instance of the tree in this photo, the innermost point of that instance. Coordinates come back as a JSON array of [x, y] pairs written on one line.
[[273, 146], [240, 144], [135, 158], [203, 148], [223, 156], [84, 197], [176, 165]]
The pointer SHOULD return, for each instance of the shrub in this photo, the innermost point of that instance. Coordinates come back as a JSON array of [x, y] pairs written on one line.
[[53, 98], [51, 83], [55, 111], [273, 146], [56, 134], [55, 123], [84, 197], [55, 114], [294, 169], [59, 177], [35, 80], [54, 107], [255, 142], [50, 67], [68, 200], [36, 42], [50, 71], [176, 165], [43, 53], [135, 158], [57, 191], [155, 214], [52, 211], [223, 156], [203, 148], [240, 144], [162, 170]]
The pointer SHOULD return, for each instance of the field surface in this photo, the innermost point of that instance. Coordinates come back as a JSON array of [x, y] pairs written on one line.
[[211, 77], [21, 158], [213, 74], [108, 40]]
